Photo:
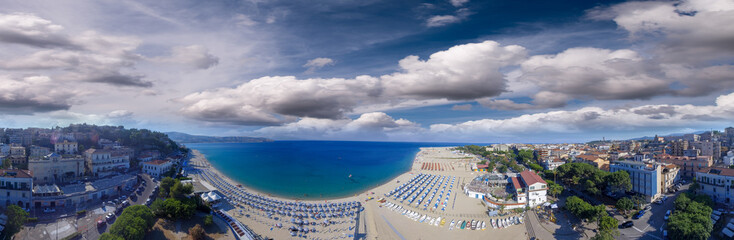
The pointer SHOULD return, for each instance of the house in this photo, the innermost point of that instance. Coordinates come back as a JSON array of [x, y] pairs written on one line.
[[717, 183], [536, 188], [15, 187], [646, 178], [102, 162], [156, 168]]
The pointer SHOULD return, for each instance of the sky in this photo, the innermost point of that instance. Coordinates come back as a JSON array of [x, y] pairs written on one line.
[[372, 70]]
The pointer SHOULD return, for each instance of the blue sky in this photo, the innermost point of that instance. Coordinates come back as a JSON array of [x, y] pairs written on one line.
[[452, 70]]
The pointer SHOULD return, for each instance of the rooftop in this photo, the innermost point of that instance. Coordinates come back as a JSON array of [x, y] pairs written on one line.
[[531, 178], [156, 162], [15, 173], [718, 171]]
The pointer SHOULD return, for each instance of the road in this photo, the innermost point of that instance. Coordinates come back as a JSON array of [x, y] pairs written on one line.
[[651, 225]]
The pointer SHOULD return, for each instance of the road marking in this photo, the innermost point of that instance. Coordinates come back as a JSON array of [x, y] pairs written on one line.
[[637, 229]]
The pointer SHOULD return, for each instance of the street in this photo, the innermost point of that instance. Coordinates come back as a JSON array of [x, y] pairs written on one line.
[[651, 225]]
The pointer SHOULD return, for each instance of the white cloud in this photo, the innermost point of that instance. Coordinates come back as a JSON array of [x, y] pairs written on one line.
[[317, 63], [458, 3], [462, 72], [194, 56], [33, 94], [369, 126], [443, 20]]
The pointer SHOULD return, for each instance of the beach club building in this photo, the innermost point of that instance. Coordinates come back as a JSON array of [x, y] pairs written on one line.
[[527, 190], [156, 168]]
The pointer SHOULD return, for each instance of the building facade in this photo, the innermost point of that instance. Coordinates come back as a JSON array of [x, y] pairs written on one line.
[[66, 147], [157, 168], [717, 183], [55, 168], [646, 177], [102, 162], [15, 187], [688, 165]]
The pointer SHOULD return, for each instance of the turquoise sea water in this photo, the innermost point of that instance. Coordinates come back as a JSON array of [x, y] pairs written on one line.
[[312, 169]]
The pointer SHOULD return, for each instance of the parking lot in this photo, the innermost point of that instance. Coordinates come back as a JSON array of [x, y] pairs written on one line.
[[86, 224]]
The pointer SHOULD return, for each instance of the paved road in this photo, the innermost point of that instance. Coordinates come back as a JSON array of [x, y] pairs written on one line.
[[651, 225]]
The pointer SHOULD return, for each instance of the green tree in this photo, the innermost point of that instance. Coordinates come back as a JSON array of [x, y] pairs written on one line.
[[536, 167], [208, 220], [180, 190], [619, 181], [166, 184], [133, 223], [109, 236], [601, 235], [608, 224], [691, 219], [624, 204], [16, 218], [502, 169]]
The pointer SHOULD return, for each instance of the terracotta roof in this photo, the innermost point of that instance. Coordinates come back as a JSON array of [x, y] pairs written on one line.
[[531, 178], [16, 173], [516, 183], [718, 171], [156, 162]]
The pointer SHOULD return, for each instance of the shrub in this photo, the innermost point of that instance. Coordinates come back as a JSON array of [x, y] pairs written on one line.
[[208, 220], [82, 212]]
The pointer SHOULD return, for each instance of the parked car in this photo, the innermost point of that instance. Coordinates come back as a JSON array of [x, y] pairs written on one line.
[[627, 224], [667, 215], [125, 203], [639, 214], [110, 217], [49, 210], [101, 223], [659, 201]]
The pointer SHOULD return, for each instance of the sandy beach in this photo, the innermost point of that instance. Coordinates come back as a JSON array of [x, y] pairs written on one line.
[[376, 221]]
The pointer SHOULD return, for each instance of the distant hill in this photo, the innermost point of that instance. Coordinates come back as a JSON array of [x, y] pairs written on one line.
[[187, 138]]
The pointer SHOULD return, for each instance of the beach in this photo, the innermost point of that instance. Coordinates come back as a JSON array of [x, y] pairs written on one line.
[[377, 221]]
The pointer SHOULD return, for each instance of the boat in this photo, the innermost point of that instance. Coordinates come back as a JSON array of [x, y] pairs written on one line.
[[493, 223], [451, 226], [463, 224], [484, 226], [473, 225], [443, 222], [423, 218]]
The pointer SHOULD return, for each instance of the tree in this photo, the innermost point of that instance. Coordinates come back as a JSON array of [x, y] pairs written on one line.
[[180, 190], [157, 208], [109, 236], [502, 169], [603, 236], [554, 189], [16, 218], [536, 167], [691, 219], [608, 224], [619, 181], [166, 185], [133, 223], [197, 232], [208, 220], [624, 204]]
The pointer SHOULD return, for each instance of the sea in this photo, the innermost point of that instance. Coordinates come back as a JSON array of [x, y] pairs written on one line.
[[312, 170]]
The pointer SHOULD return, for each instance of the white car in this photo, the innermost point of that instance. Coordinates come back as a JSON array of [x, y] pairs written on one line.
[[49, 210]]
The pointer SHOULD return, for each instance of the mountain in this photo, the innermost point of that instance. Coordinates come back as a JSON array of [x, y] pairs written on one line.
[[187, 138]]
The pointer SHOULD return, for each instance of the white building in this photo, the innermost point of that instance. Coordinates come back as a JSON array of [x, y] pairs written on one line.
[[646, 177], [717, 183], [15, 187], [55, 168], [729, 158], [66, 147], [535, 187], [156, 168], [4, 149], [551, 164], [102, 162], [38, 151]]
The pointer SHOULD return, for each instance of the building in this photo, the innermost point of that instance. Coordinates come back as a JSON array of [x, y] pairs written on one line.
[[552, 164], [83, 194], [677, 148], [594, 160], [709, 148], [55, 168], [102, 162], [15, 187], [535, 187], [688, 165], [157, 168], [4, 150], [717, 183], [17, 150], [39, 152], [729, 158], [646, 177], [500, 147], [670, 176], [66, 147]]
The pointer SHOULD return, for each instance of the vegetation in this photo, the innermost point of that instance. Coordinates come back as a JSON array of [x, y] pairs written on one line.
[[139, 139], [177, 205], [109, 236], [592, 180], [624, 204], [208, 220], [584, 210], [554, 189], [197, 232], [133, 223], [166, 184], [691, 219], [508, 160], [81, 212], [16, 218]]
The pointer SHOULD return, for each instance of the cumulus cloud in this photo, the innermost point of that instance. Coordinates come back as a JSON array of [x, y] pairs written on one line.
[[317, 63], [462, 72], [594, 119], [87, 56], [193, 56], [692, 30], [443, 20], [368, 126], [33, 94]]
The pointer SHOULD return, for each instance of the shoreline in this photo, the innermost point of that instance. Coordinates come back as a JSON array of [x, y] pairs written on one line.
[[201, 157]]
